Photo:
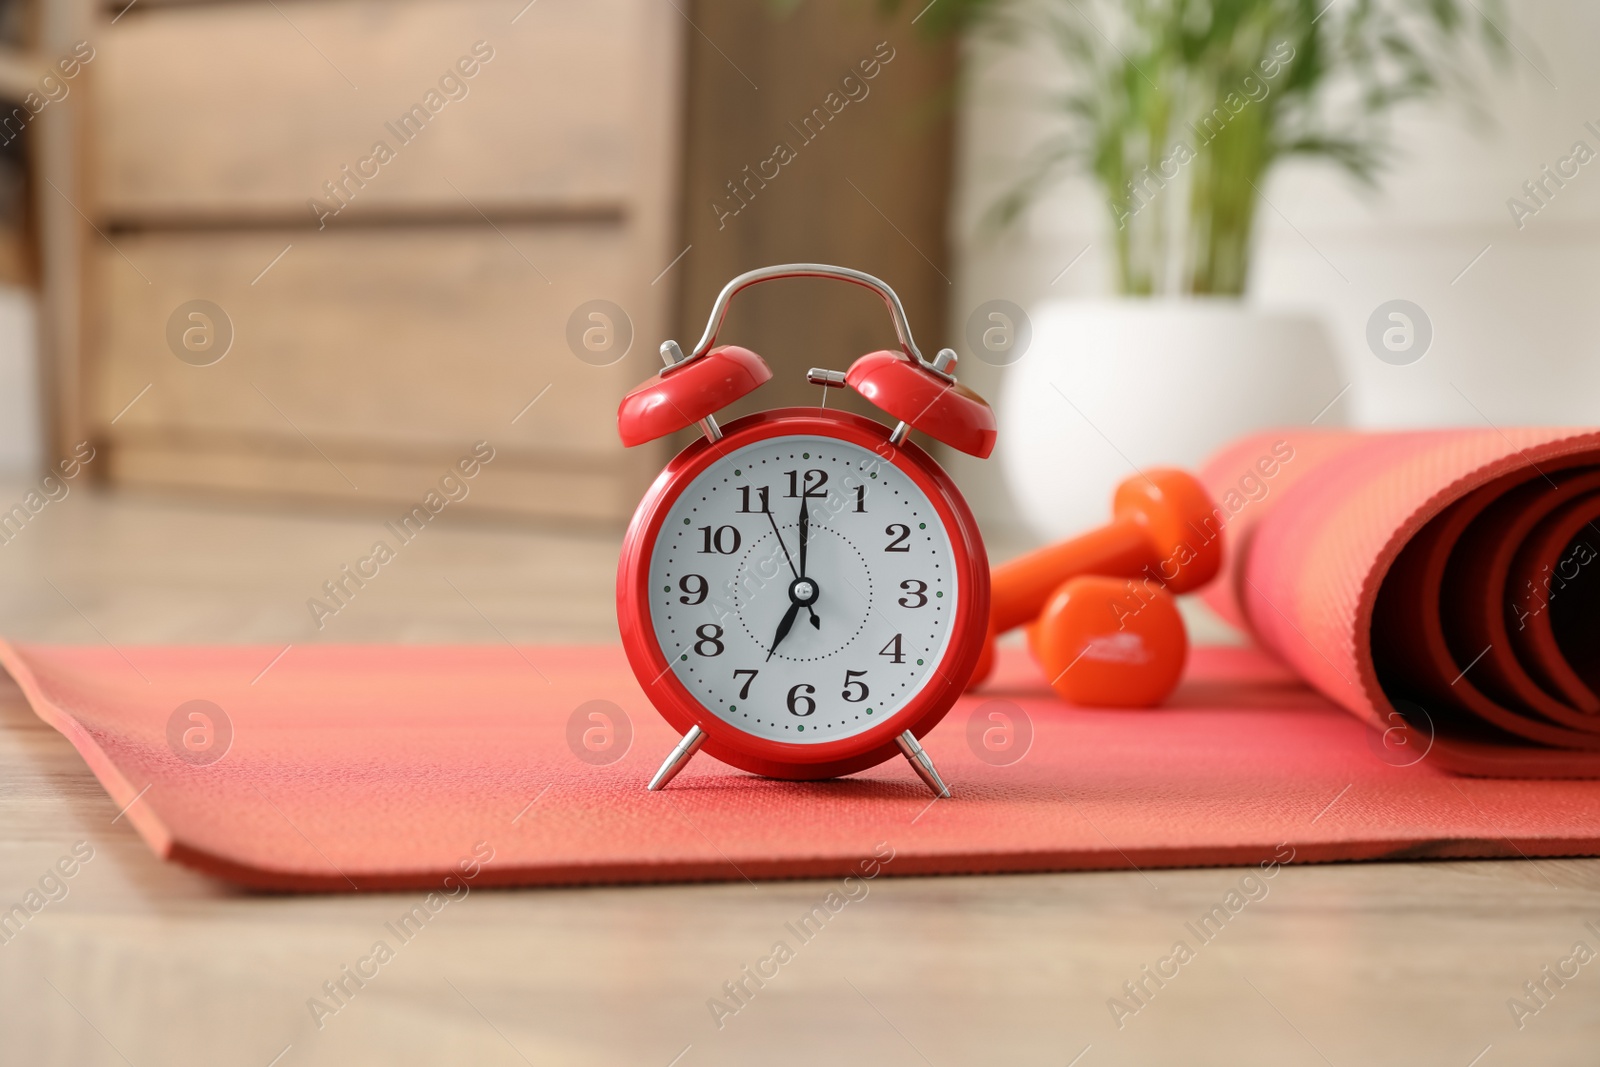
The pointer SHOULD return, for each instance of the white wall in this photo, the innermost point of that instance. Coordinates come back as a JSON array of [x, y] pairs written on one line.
[[1517, 335]]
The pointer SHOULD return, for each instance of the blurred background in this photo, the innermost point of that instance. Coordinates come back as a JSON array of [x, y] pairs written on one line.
[[295, 259]]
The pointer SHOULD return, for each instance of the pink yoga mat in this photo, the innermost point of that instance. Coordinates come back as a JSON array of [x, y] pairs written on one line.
[[362, 768], [1442, 585]]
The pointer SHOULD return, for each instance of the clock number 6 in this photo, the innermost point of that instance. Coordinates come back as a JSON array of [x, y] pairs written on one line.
[[710, 634], [851, 685], [798, 701]]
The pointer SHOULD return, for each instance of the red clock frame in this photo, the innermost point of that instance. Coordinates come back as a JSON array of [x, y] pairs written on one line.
[[779, 759]]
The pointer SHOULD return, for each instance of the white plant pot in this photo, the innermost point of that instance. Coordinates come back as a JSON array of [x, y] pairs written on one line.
[[1109, 385]]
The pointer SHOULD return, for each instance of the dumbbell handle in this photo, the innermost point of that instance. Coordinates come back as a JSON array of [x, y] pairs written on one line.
[[1021, 587]]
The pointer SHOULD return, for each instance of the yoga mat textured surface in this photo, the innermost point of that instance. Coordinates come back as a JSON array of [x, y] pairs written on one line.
[[370, 767], [1439, 584]]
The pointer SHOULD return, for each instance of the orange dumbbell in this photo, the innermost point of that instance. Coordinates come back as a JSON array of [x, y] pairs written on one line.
[[1164, 535], [1108, 642]]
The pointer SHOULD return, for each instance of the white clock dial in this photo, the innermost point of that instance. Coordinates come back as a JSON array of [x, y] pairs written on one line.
[[869, 609]]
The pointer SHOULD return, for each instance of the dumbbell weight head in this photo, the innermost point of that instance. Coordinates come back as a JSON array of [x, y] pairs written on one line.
[[1111, 642], [1181, 526]]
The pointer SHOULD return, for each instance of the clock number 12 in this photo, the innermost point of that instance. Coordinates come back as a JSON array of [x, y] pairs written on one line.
[[814, 481]]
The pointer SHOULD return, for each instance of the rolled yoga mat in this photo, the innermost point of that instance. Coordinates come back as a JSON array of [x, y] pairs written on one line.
[[1442, 585]]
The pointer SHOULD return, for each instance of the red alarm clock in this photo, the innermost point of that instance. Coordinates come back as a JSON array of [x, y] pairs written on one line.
[[804, 593]]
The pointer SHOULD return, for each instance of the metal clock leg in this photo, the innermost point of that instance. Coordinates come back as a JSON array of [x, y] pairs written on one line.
[[922, 764], [679, 757]]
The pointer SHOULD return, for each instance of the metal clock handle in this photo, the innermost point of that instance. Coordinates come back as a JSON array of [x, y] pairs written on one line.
[[673, 355]]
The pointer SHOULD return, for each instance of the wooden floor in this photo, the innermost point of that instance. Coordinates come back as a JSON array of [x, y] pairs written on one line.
[[147, 964]]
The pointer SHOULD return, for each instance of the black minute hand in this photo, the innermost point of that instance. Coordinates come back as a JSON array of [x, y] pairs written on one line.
[[805, 539], [805, 533]]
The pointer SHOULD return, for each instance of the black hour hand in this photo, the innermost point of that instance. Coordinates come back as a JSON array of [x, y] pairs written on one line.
[[783, 627]]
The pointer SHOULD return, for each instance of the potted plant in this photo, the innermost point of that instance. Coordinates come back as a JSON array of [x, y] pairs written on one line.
[[1178, 110]]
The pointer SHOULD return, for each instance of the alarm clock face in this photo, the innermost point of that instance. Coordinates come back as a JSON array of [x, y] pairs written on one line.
[[802, 589]]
